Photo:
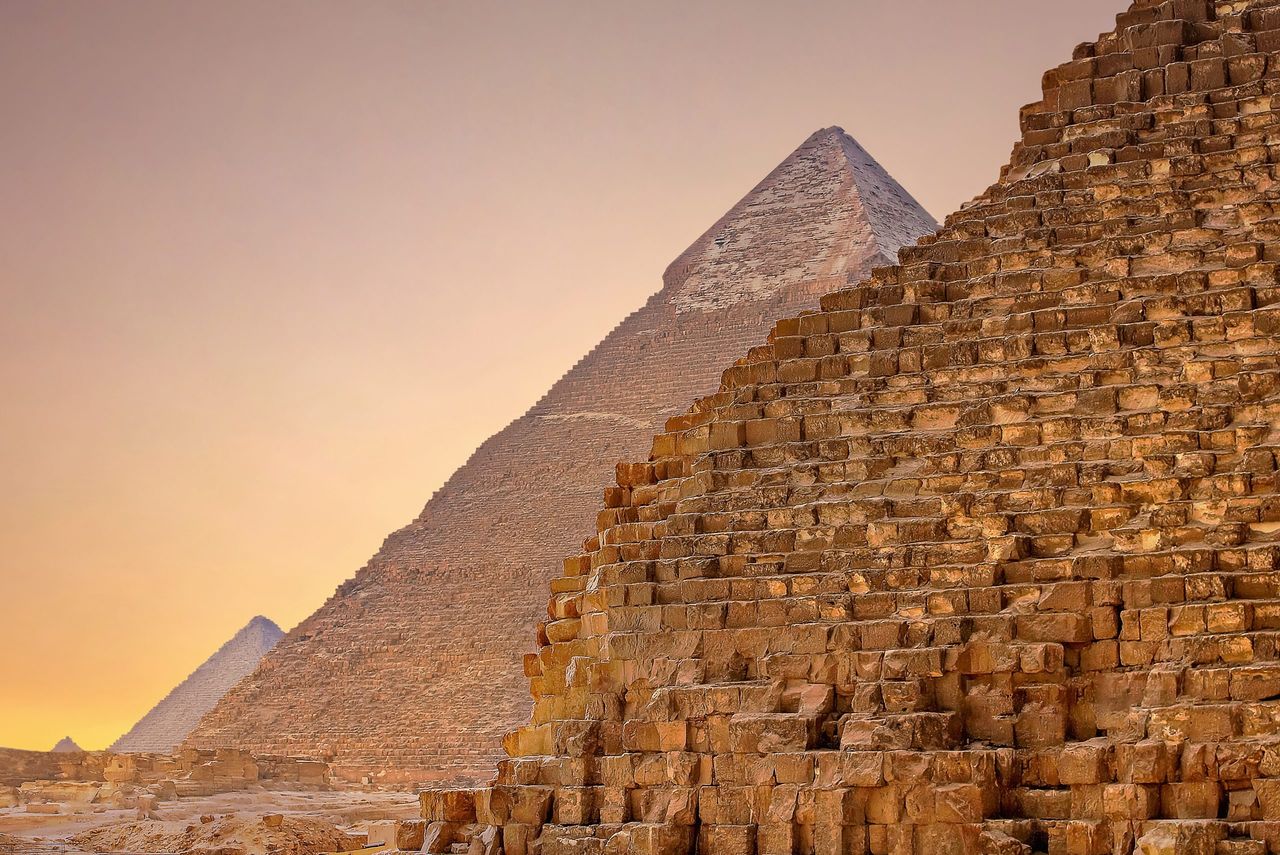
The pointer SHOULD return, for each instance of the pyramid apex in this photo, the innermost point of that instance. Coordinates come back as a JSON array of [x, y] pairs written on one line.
[[832, 135], [828, 131], [831, 179], [263, 624]]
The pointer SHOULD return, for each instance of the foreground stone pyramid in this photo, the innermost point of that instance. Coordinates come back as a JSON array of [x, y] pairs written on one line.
[[169, 722], [412, 669], [983, 557]]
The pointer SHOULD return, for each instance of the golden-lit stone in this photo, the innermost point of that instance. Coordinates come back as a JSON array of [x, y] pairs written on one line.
[[1013, 584]]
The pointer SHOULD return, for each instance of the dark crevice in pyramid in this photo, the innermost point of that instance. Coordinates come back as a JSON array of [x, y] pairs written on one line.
[[414, 664], [170, 721]]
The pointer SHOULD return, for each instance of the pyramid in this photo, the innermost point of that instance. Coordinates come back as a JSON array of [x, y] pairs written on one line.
[[982, 557], [413, 667], [66, 745], [169, 722]]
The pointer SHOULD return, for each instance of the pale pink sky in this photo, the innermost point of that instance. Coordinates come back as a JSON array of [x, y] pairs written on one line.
[[271, 270]]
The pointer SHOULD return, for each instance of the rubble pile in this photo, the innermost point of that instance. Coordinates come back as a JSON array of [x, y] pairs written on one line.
[[228, 835]]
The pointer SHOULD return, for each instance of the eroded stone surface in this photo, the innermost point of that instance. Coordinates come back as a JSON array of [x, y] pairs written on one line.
[[412, 669], [983, 556]]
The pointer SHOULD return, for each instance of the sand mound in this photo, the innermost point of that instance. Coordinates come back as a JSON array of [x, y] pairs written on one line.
[[229, 834]]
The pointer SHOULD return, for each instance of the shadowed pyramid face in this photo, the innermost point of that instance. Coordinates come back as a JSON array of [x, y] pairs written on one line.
[[983, 556], [413, 669]]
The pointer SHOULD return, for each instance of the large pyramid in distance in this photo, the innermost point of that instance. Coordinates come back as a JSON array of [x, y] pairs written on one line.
[[983, 558], [170, 721], [413, 667]]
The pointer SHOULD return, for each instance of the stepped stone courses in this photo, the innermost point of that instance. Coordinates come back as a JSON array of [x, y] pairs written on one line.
[[413, 668], [983, 557], [170, 721]]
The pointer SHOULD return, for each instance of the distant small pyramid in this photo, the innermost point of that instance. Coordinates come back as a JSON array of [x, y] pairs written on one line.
[[66, 745], [169, 722]]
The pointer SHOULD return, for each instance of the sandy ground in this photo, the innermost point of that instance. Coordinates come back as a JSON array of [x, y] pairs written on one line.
[[24, 833]]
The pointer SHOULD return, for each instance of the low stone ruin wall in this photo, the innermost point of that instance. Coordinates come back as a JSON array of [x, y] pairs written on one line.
[[17, 766], [35, 777]]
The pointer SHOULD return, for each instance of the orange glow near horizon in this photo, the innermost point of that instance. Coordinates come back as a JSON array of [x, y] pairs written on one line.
[[270, 272]]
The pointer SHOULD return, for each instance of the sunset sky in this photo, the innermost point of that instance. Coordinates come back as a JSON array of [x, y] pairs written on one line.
[[271, 270]]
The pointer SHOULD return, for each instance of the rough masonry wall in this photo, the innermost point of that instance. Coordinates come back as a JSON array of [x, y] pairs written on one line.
[[412, 669], [983, 557]]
